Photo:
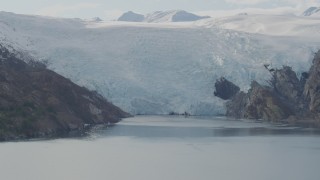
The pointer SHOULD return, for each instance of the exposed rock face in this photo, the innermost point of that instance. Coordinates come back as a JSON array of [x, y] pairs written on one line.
[[35, 101], [286, 84], [236, 107], [312, 86], [259, 103], [289, 88], [288, 99], [225, 89]]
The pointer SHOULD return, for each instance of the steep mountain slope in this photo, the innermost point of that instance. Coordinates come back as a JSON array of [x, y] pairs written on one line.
[[35, 101], [156, 68]]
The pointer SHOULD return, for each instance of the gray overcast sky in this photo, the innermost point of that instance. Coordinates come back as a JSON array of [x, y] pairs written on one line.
[[109, 9]]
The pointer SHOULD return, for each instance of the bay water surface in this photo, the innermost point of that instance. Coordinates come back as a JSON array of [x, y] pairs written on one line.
[[169, 148]]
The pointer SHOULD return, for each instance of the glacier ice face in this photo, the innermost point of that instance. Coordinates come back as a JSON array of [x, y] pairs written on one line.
[[154, 69]]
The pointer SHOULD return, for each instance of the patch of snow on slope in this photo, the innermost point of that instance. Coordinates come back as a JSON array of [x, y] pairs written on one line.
[[148, 69]]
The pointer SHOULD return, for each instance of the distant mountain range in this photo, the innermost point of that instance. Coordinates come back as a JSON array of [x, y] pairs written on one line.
[[184, 16], [161, 16]]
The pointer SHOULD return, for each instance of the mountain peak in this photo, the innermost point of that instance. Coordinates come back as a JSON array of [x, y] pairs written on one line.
[[161, 16], [181, 16], [131, 17], [97, 19]]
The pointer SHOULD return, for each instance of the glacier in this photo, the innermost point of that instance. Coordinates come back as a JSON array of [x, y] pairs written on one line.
[[157, 68]]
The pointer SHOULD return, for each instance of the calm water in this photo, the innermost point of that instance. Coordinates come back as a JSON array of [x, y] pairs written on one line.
[[169, 148]]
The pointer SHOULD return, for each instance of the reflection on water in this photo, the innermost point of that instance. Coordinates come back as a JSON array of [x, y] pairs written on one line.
[[169, 148], [198, 132], [179, 127]]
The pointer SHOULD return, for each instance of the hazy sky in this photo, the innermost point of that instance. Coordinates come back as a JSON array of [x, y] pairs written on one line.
[[109, 9]]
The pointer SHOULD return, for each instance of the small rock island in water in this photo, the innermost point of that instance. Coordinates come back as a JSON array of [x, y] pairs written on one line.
[[286, 99], [37, 102]]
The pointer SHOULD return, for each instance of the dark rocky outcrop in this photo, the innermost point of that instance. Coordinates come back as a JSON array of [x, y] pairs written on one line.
[[35, 101], [259, 103], [286, 84], [311, 89], [289, 88], [287, 99], [225, 89]]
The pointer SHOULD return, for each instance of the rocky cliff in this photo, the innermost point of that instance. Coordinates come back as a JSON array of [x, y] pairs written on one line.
[[259, 103], [311, 91], [287, 98], [36, 102]]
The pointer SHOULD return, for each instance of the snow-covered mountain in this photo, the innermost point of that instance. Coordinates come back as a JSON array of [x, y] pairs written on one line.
[[131, 17], [161, 17], [172, 16], [96, 19], [312, 11], [156, 68]]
